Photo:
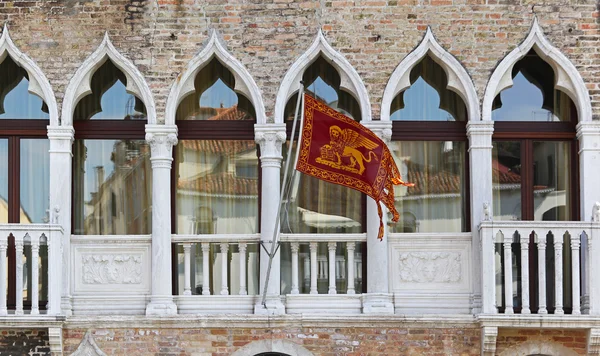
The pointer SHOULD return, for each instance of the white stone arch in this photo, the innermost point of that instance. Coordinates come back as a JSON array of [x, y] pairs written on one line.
[[79, 86], [277, 345], [538, 347], [459, 80], [349, 79], [244, 83], [568, 78], [38, 83]]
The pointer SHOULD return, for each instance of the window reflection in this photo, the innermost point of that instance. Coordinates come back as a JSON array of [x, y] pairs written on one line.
[[437, 202], [109, 99], [551, 181], [506, 180], [112, 187], [214, 97], [532, 97], [15, 100], [3, 181], [217, 187], [427, 98], [34, 183]]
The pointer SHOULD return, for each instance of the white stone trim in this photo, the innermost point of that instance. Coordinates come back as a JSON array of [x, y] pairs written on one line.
[[79, 85], [349, 79], [38, 83], [459, 80], [568, 78], [88, 347], [538, 347], [244, 83], [275, 345]]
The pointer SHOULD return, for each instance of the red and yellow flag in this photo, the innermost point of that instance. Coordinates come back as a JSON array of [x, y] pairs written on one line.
[[339, 150]]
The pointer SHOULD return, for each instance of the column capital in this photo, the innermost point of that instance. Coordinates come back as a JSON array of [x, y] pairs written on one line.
[[270, 137], [383, 129], [161, 139], [480, 134], [588, 134], [61, 138]]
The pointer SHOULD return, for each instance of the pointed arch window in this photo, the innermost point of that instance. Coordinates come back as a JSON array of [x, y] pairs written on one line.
[[112, 180], [216, 175], [429, 142], [24, 169]]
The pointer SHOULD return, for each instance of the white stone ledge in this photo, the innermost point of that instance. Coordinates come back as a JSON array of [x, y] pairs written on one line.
[[540, 321], [110, 239], [323, 237]]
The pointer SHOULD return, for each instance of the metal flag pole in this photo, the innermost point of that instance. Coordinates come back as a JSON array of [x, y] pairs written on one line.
[[274, 242]]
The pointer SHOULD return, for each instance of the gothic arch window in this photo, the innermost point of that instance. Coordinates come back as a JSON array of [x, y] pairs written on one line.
[[112, 180], [24, 167], [216, 182], [429, 142]]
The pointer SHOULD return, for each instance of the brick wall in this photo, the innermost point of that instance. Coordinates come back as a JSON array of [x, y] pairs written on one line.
[[18, 342], [320, 341], [575, 340], [267, 36]]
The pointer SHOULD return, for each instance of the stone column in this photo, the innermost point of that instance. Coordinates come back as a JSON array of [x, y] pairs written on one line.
[[378, 299], [161, 138], [480, 157], [270, 137], [61, 142], [588, 133]]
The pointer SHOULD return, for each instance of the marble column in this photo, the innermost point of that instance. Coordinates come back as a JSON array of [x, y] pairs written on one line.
[[378, 299], [270, 137], [61, 142], [480, 157], [161, 139], [588, 134]]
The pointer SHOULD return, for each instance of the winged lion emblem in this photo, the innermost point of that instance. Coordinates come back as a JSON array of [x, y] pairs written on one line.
[[341, 152]]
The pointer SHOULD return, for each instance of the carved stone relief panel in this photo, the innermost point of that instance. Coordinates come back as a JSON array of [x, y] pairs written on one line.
[[428, 267], [112, 269]]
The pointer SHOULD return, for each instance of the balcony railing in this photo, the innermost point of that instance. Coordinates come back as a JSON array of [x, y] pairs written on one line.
[[536, 267], [35, 246]]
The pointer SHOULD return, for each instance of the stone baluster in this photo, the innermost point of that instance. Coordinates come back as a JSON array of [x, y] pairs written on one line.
[[313, 268], [19, 277], [224, 271], [295, 247], [350, 246], [3, 248], [331, 246], [575, 245], [541, 244], [242, 247], [205, 268], [524, 239], [35, 278], [187, 249], [508, 277], [558, 273]]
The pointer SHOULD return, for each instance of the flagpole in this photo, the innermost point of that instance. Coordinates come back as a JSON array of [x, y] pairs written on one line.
[[274, 243]]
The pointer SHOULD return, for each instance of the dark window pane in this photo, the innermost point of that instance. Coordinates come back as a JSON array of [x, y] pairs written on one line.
[[15, 100], [112, 187], [109, 99], [428, 99], [437, 202], [532, 97], [506, 180], [3, 181], [214, 97], [212, 197], [34, 180], [551, 181]]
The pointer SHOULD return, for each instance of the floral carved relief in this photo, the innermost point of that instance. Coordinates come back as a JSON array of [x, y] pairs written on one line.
[[112, 269], [430, 267]]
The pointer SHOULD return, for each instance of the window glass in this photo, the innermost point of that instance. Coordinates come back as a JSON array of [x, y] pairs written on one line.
[[34, 181], [427, 98], [112, 187], [15, 100], [532, 97], [213, 197], [551, 181], [214, 97], [506, 180], [109, 99], [3, 181], [437, 202]]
